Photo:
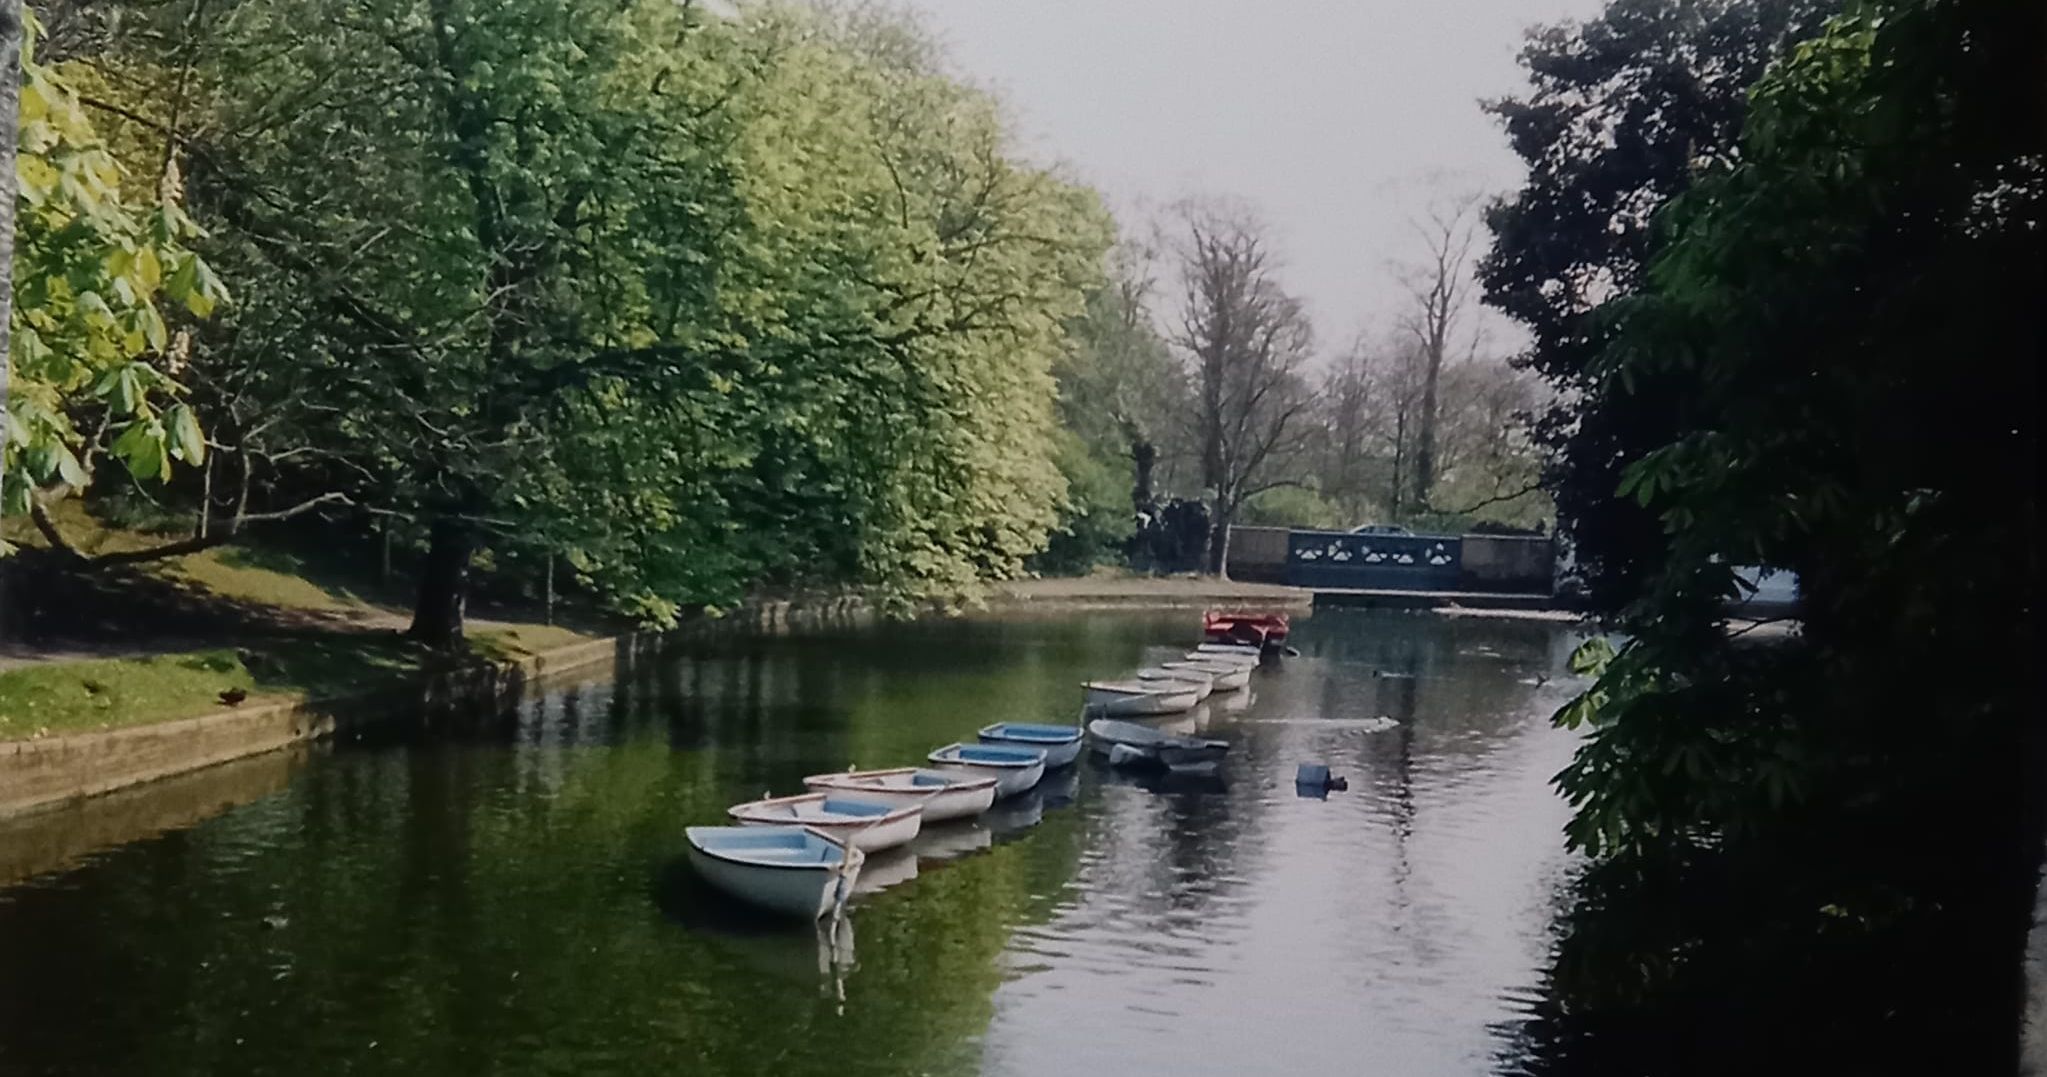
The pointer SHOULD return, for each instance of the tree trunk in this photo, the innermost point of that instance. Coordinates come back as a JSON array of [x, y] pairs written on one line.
[[10, 115], [1143, 456], [1399, 468], [1425, 439], [1219, 540], [444, 584]]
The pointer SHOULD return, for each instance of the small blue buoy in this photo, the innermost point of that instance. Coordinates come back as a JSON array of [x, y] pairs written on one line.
[[1314, 780]]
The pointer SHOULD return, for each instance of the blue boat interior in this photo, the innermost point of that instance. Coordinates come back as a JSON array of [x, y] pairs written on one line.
[[766, 844], [921, 778], [1057, 734], [989, 753], [838, 806]]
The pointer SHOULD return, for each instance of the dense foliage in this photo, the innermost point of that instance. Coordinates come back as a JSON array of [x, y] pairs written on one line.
[[1830, 358], [1623, 111], [98, 265], [1847, 313], [693, 303]]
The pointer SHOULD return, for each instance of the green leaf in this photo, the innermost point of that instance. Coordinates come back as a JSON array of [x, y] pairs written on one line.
[[141, 448], [70, 470], [187, 442], [184, 282], [1591, 657]]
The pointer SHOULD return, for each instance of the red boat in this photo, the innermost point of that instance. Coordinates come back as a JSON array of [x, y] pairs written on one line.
[[1262, 630]]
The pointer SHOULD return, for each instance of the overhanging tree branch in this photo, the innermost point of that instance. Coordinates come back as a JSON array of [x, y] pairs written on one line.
[[1530, 488], [39, 513]]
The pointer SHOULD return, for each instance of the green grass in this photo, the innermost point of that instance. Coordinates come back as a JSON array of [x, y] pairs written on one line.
[[344, 645], [71, 697], [253, 575], [56, 698], [267, 578], [519, 641]]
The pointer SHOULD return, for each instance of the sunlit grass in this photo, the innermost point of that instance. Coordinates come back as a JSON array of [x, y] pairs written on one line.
[[54, 698], [70, 697], [343, 644]]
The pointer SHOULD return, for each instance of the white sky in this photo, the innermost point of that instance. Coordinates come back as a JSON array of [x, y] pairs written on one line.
[[1330, 118]]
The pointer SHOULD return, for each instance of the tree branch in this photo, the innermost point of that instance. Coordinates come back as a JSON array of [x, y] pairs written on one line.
[[1493, 500], [40, 514]]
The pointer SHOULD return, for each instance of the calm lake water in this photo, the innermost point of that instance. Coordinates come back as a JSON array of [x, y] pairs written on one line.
[[511, 897]]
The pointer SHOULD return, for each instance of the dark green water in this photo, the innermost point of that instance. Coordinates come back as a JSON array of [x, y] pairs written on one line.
[[509, 897]]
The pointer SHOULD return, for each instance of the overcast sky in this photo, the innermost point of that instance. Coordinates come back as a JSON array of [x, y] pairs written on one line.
[[1328, 116]]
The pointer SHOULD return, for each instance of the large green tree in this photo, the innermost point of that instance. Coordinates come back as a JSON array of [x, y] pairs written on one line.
[[1845, 320], [696, 303], [1845, 314], [1622, 112], [99, 270]]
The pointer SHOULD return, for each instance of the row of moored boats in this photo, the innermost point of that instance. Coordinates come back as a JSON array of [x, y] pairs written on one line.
[[801, 854]]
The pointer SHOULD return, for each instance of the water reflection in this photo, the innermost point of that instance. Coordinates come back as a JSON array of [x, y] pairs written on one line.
[[510, 896], [820, 954], [890, 867], [952, 841]]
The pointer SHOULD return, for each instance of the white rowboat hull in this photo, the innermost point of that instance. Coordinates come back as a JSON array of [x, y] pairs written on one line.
[[1056, 755], [1167, 677], [1121, 703], [1014, 769], [866, 832], [941, 802], [866, 837], [964, 802], [808, 892], [1009, 781], [1225, 676]]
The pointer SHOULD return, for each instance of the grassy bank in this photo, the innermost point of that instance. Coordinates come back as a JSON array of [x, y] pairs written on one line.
[[83, 695], [229, 626]]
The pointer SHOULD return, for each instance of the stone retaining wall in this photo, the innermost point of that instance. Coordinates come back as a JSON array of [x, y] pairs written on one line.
[[1508, 563], [50, 771], [1257, 554]]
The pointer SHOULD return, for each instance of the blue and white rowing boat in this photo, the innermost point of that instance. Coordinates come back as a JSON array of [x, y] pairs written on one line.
[[1167, 676], [1130, 744], [786, 869], [1226, 676], [1060, 743], [1141, 699], [1232, 650], [867, 825], [1014, 769], [944, 794]]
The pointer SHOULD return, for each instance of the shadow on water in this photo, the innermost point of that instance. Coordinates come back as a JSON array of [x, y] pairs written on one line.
[[822, 953], [1857, 934], [1157, 779], [1707, 973]]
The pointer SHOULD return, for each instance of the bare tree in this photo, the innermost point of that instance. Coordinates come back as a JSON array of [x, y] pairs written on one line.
[[1487, 458], [1401, 372], [1440, 321], [1353, 395], [1245, 341]]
